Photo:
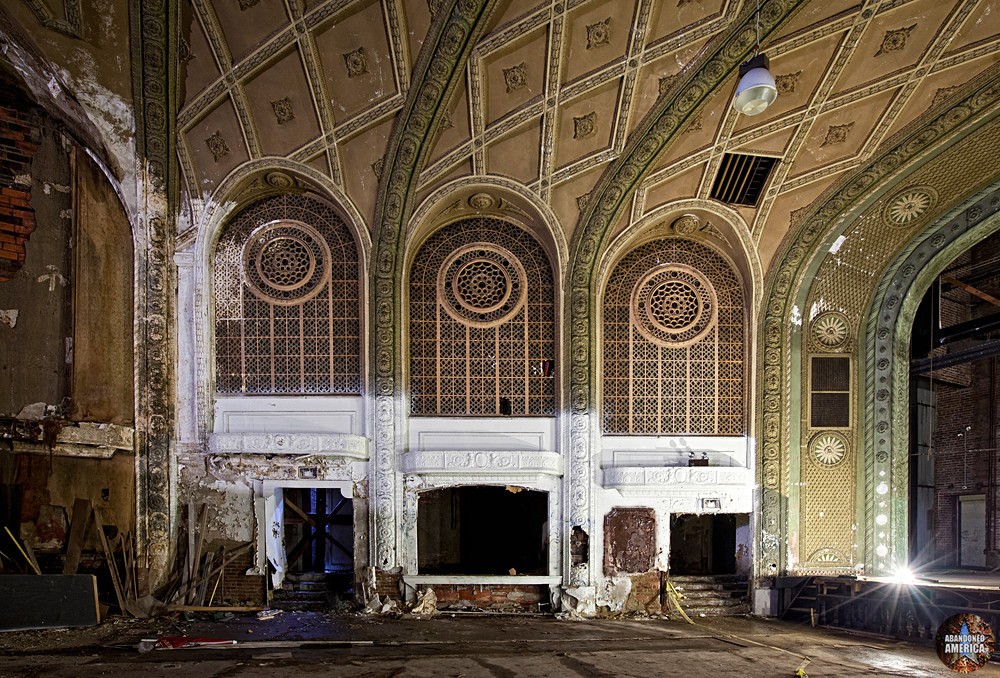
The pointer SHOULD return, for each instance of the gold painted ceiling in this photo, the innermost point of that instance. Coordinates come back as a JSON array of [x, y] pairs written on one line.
[[549, 95], [553, 90]]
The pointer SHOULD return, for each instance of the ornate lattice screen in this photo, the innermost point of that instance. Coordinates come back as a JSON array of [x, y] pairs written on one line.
[[287, 300], [673, 344], [482, 322]]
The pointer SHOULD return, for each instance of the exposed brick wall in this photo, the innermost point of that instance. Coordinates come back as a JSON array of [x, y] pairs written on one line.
[[19, 139], [237, 587], [387, 584], [957, 473], [506, 597]]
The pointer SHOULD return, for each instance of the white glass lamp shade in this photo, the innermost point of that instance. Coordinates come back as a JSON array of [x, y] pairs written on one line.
[[756, 89]]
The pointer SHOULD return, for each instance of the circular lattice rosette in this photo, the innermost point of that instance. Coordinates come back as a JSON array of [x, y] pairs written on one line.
[[829, 449], [286, 262], [830, 330], [674, 306], [482, 284]]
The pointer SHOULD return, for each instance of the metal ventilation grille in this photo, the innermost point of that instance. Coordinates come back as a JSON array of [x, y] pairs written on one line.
[[741, 179]]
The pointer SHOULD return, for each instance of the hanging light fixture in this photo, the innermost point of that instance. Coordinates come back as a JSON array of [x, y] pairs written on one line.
[[756, 89]]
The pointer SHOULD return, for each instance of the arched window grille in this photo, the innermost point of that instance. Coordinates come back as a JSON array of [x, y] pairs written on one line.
[[674, 338], [482, 322], [287, 300]]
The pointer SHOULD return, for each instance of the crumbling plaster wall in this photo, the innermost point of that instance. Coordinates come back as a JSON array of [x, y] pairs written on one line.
[[50, 484], [35, 344], [86, 76]]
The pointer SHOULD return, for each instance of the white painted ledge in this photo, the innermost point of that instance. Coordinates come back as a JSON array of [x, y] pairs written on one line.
[[314, 444], [501, 463]]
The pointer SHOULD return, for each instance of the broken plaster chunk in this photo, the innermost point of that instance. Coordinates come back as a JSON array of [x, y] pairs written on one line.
[[32, 411], [426, 605]]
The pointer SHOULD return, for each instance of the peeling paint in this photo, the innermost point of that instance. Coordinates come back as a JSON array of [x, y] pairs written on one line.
[[48, 188], [54, 277], [796, 316], [9, 317]]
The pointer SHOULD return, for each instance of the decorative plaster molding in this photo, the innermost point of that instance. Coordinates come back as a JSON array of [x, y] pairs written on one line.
[[313, 444], [499, 462], [672, 477]]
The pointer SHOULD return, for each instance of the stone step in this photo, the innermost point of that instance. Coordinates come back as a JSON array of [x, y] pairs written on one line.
[[305, 576], [696, 586], [733, 611], [712, 602], [712, 594], [706, 578]]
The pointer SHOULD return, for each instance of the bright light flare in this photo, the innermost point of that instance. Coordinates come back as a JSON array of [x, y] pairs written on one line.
[[903, 575]]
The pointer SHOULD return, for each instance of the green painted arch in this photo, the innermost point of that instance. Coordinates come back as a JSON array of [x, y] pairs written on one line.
[[799, 257], [887, 343], [453, 33]]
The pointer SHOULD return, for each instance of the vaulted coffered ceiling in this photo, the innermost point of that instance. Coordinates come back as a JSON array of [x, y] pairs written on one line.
[[552, 92]]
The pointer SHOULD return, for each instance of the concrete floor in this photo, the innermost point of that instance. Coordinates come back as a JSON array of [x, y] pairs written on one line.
[[467, 646]]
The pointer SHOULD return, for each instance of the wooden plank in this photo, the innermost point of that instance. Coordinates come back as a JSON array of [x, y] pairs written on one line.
[[32, 558], [205, 579], [199, 543], [187, 569], [110, 557], [48, 601], [970, 289], [305, 516], [77, 534], [30, 562]]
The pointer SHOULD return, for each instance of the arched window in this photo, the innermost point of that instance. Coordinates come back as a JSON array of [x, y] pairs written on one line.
[[482, 322], [674, 336], [287, 300]]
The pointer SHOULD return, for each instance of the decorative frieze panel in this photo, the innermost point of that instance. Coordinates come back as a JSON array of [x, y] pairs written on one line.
[[317, 444], [628, 477], [503, 462]]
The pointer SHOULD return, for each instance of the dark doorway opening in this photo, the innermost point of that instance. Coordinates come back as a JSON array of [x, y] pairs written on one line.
[[702, 544], [482, 530], [319, 535]]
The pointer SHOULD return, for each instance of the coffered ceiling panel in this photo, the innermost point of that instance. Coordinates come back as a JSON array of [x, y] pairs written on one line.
[[832, 15], [980, 29], [281, 105], [356, 60], [517, 155], [774, 145], [216, 145], [798, 75], [247, 23], [362, 155], [941, 87], [901, 38], [554, 88], [656, 77], [597, 34], [570, 198], [840, 134], [586, 124], [675, 19], [677, 186], [455, 129], [197, 61], [515, 75]]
